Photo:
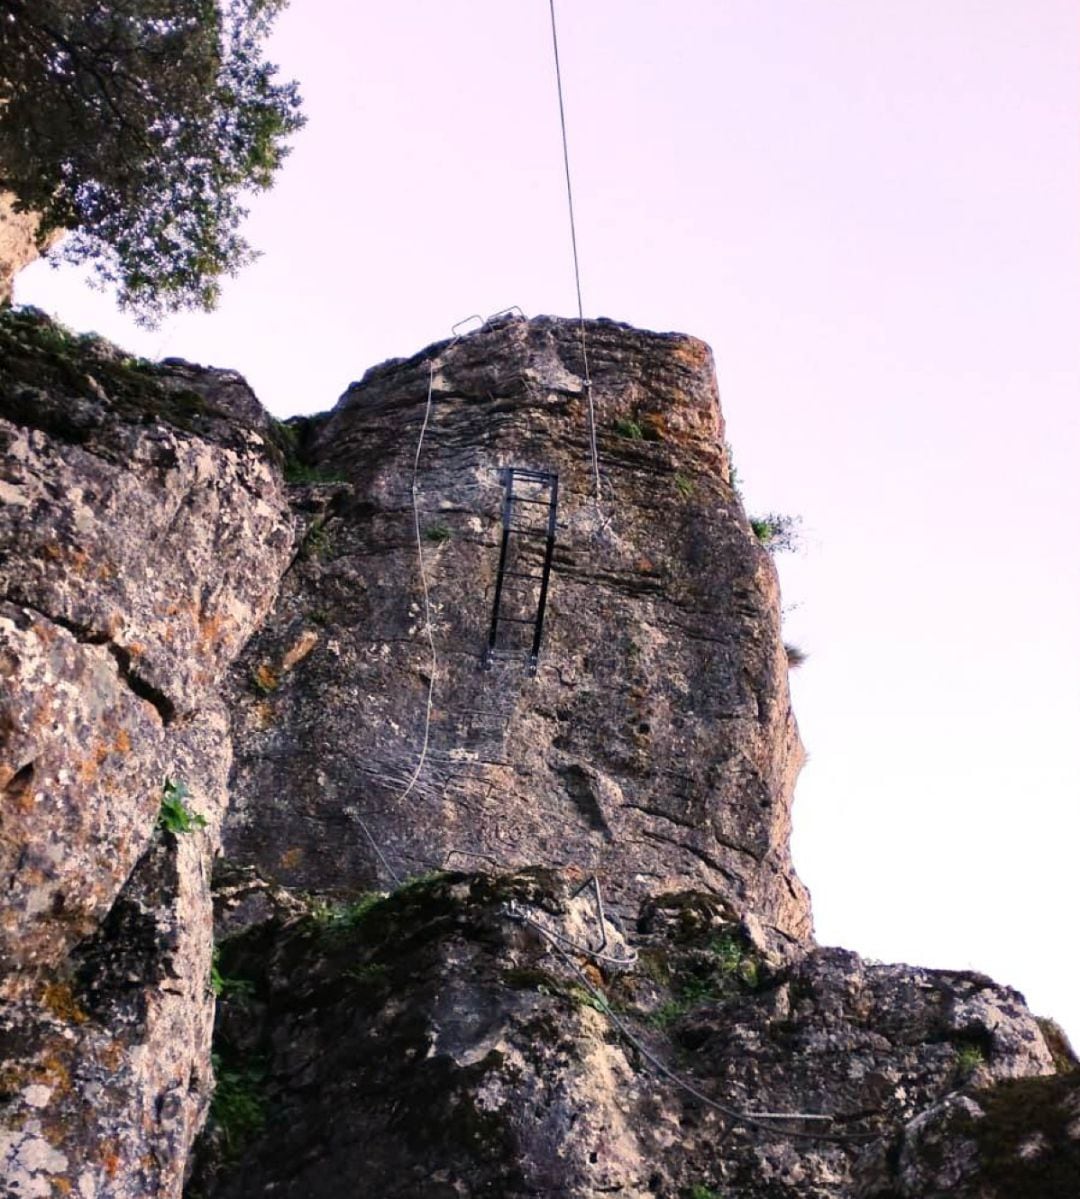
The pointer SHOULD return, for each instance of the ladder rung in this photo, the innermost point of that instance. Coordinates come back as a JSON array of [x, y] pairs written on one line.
[[529, 532], [517, 620], [520, 499]]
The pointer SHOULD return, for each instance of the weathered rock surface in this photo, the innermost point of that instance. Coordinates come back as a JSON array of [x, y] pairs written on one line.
[[461, 1036], [107, 1071], [1019, 1140], [434, 1045], [655, 746], [18, 242], [143, 532]]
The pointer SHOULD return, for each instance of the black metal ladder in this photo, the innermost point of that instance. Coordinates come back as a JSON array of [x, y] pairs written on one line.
[[520, 589]]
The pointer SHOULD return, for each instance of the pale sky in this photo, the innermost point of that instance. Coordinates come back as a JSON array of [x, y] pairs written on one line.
[[869, 209]]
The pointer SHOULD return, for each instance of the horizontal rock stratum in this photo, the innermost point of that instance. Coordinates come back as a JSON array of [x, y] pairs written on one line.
[[213, 636]]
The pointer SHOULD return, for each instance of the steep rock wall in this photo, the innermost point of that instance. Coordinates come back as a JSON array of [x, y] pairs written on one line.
[[459, 1036], [656, 744], [142, 535]]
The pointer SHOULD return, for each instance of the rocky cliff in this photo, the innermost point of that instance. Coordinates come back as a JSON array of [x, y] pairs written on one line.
[[225, 714], [655, 745]]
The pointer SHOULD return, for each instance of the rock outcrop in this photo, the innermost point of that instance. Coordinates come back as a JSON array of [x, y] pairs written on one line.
[[213, 632], [656, 744], [459, 1049], [143, 532]]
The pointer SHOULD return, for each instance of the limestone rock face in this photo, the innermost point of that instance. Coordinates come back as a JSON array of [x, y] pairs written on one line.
[[18, 242], [143, 532], [655, 745], [171, 611], [454, 1039], [107, 1057]]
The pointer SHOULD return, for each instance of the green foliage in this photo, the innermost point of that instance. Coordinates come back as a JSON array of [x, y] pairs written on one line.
[[585, 998], [728, 952], [175, 816], [726, 966], [668, 1012], [371, 974], [228, 988], [437, 533], [776, 532], [238, 1108], [288, 439], [139, 126], [301, 472], [969, 1058], [700, 1191], [684, 486], [420, 880], [318, 541], [46, 367], [630, 429], [340, 917]]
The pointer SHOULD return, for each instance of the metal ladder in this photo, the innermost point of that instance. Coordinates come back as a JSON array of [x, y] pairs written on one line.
[[520, 589]]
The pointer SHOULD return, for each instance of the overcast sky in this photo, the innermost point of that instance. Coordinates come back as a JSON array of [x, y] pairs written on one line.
[[869, 209]]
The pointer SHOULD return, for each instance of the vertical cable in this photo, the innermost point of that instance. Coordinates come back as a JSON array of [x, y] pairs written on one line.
[[573, 244], [427, 626]]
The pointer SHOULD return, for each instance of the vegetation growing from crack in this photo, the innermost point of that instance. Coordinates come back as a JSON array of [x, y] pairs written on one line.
[[317, 542], [630, 429], [543, 982], [332, 917], [968, 1059], [289, 440], [301, 472], [777, 532], [1057, 1042], [238, 1107], [175, 816], [224, 987], [724, 967]]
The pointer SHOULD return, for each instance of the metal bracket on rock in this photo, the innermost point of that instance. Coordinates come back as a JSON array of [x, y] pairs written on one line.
[[467, 853], [594, 882]]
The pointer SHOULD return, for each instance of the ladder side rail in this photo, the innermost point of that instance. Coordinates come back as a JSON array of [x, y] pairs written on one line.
[[549, 553], [507, 516]]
